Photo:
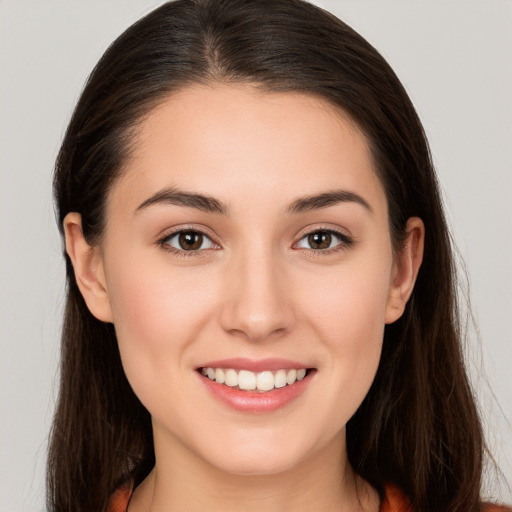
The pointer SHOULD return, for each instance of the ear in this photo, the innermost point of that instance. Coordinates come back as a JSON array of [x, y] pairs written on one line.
[[406, 267], [88, 267]]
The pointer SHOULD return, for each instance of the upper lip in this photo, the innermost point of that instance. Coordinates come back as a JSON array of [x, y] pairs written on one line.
[[253, 365]]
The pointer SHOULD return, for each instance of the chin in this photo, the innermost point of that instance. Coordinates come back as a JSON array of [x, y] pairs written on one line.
[[257, 465], [258, 458]]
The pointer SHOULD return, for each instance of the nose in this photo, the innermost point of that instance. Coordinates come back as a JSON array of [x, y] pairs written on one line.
[[257, 302]]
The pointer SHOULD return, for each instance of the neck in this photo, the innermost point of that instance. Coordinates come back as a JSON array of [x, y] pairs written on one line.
[[183, 481]]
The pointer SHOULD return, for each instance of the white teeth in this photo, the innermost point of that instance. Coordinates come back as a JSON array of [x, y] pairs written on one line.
[[246, 380], [231, 378], [219, 375], [250, 381], [265, 381], [280, 379], [291, 376]]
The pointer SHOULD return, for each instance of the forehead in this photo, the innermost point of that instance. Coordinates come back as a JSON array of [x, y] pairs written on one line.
[[235, 141]]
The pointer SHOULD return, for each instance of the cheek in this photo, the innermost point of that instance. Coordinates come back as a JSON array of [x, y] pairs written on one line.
[[158, 312], [349, 304], [347, 316], [150, 296]]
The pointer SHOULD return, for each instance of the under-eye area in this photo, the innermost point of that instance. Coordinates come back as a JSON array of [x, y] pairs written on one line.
[[260, 382]]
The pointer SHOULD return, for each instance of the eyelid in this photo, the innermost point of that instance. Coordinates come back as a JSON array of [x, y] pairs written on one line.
[[163, 239], [346, 239]]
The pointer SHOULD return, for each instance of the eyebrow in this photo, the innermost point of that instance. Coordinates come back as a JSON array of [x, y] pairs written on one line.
[[208, 204], [326, 199], [181, 198]]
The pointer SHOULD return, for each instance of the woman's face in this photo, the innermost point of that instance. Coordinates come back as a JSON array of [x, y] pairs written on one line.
[[248, 235]]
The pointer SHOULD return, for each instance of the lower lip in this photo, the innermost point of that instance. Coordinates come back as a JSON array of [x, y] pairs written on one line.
[[253, 402]]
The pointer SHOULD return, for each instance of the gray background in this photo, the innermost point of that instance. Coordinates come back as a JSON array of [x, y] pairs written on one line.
[[454, 58]]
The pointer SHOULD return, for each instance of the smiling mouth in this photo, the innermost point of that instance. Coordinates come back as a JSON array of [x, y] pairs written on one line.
[[260, 382]]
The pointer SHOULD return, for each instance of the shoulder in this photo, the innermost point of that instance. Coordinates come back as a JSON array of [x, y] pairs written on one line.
[[396, 501], [493, 507], [119, 500]]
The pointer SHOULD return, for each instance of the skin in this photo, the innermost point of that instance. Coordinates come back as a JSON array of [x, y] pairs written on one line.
[[257, 291]]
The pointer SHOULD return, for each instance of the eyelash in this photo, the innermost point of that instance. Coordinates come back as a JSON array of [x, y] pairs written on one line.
[[164, 243], [345, 242]]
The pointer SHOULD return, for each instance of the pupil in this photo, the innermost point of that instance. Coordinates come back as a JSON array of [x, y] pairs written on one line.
[[190, 241], [320, 240]]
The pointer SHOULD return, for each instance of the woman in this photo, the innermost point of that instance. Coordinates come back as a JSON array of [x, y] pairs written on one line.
[[261, 298]]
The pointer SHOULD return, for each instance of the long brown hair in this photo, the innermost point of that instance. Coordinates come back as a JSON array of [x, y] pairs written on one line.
[[408, 430]]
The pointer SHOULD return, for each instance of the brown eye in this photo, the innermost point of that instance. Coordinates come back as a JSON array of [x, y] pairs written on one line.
[[323, 240], [320, 240], [188, 241]]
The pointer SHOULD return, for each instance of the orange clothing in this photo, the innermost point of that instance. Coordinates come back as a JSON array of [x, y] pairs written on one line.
[[394, 501], [119, 500]]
